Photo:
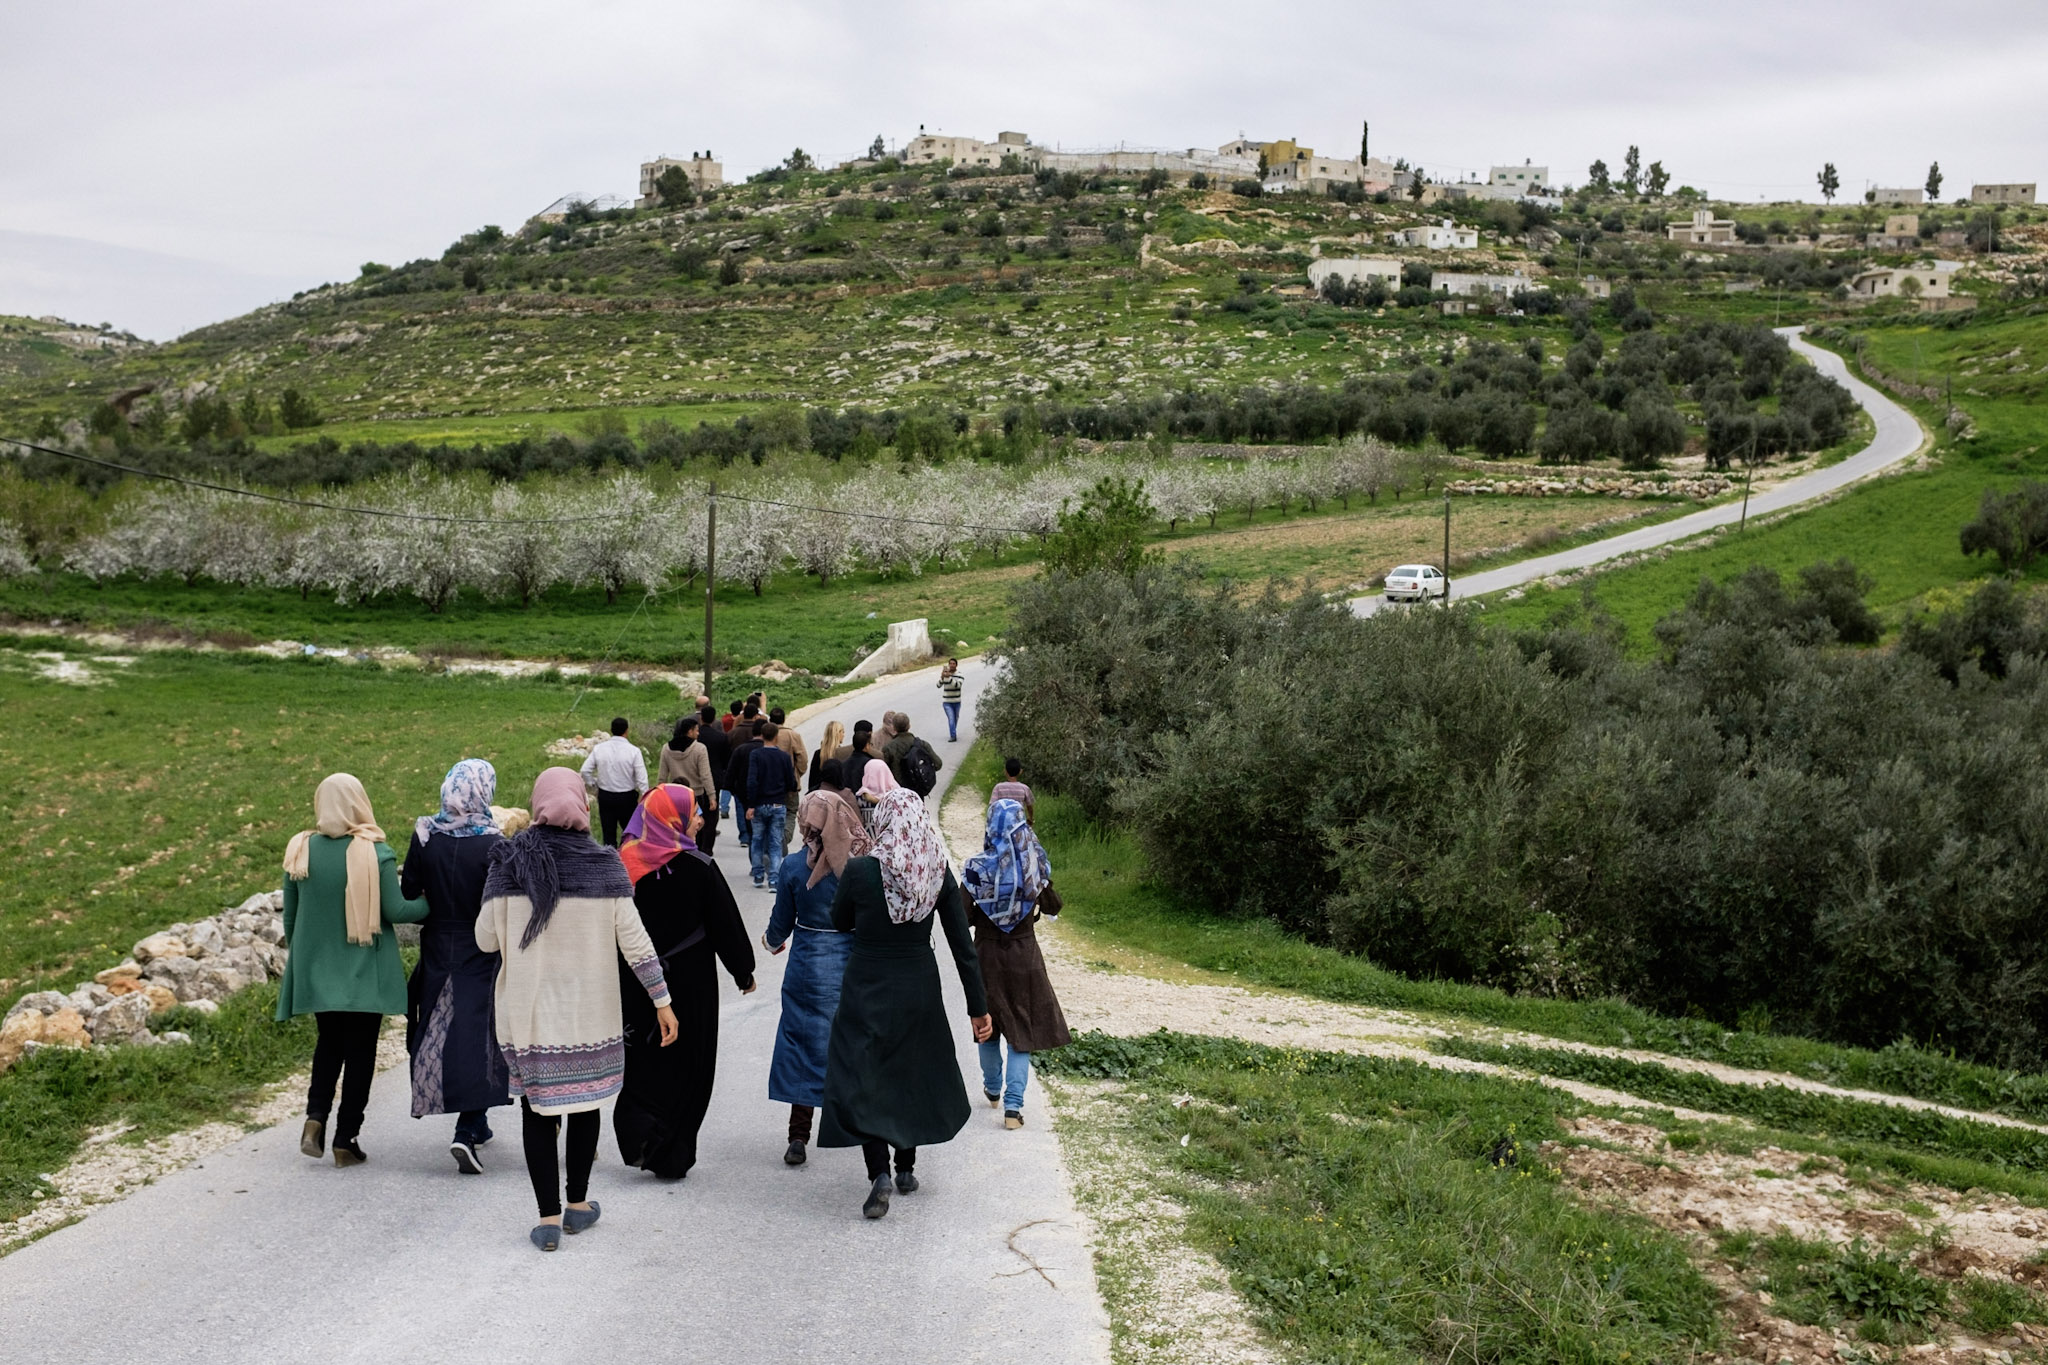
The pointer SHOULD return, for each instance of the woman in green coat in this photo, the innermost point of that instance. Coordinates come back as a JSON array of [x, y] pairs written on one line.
[[340, 897], [892, 1077]]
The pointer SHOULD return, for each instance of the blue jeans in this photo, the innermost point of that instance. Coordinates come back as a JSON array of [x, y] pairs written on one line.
[[1009, 1080], [725, 804], [952, 710], [769, 821]]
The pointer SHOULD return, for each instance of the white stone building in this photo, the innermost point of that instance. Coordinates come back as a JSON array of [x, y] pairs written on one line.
[[1458, 285], [2014, 193], [1927, 280], [928, 148], [1899, 194], [1444, 236], [1703, 230], [1523, 179], [1355, 270]]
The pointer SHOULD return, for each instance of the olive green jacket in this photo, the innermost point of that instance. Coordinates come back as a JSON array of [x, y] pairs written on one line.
[[325, 971]]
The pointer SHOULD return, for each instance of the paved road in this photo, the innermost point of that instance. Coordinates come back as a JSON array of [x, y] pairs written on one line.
[[259, 1255], [1898, 435]]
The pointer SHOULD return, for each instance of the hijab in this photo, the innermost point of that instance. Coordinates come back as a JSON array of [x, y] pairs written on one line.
[[341, 810], [913, 858], [659, 830], [466, 794], [877, 778], [555, 849], [680, 740], [1006, 877], [832, 833]]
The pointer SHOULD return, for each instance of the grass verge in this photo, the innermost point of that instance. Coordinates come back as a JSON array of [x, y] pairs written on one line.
[[49, 1102], [1367, 1208]]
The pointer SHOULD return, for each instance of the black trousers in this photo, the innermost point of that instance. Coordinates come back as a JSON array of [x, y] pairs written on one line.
[[708, 836], [800, 1122], [346, 1051], [877, 1153], [537, 1132], [614, 809]]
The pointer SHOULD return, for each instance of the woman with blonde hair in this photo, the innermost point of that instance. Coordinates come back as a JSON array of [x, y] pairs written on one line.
[[559, 907], [828, 749], [340, 896]]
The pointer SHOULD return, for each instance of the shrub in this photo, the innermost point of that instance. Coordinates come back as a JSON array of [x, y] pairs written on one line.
[[2013, 526]]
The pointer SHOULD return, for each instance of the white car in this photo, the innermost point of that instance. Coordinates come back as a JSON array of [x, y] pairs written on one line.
[[1415, 583]]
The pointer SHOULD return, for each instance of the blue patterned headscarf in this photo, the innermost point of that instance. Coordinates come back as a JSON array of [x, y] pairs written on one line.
[[1010, 873], [465, 802]]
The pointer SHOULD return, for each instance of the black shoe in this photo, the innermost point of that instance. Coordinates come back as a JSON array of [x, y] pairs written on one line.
[[795, 1155], [906, 1183], [313, 1138], [348, 1153], [466, 1159], [993, 1098], [878, 1199], [1012, 1119]]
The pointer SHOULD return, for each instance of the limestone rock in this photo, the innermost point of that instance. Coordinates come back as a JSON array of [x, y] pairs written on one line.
[[172, 970], [120, 1019], [18, 1031], [64, 1028], [204, 939], [39, 1003], [158, 946], [160, 998], [129, 972], [173, 1036], [202, 1007], [88, 996]]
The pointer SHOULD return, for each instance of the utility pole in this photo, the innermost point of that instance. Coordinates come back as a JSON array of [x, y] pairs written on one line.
[[1447, 547], [710, 580], [1748, 473]]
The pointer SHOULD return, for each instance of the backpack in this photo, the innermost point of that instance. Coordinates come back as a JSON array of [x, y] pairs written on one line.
[[920, 768]]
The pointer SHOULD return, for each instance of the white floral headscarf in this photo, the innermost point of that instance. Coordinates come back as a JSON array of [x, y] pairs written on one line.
[[912, 855]]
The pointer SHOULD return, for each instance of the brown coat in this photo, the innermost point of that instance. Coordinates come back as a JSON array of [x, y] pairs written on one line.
[[792, 743], [692, 769], [1020, 996]]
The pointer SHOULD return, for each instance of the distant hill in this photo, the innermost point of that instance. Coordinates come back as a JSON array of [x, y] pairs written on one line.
[[877, 288]]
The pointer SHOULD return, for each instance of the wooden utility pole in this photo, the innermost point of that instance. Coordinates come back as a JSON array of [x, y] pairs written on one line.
[[1447, 547], [1748, 473], [710, 580]]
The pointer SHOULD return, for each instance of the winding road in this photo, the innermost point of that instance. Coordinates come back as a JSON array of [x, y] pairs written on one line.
[[257, 1255], [1898, 435]]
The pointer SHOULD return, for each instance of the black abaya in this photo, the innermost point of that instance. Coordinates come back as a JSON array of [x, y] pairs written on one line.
[[690, 915]]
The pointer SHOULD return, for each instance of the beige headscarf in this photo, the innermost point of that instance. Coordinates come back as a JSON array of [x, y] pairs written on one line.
[[341, 809]]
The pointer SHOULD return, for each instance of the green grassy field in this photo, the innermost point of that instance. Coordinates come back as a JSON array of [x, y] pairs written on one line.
[[1901, 529]]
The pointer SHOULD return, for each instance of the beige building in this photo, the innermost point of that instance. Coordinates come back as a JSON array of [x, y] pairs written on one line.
[[1355, 270], [1900, 195], [1128, 161], [704, 172], [1475, 286], [1901, 233], [928, 148], [1704, 229], [2002, 194], [1926, 280], [1595, 287], [1523, 179]]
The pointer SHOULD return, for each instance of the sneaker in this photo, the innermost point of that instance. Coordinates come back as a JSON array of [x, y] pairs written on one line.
[[994, 1099], [795, 1155], [1012, 1119], [877, 1204], [313, 1138], [906, 1183], [466, 1159]]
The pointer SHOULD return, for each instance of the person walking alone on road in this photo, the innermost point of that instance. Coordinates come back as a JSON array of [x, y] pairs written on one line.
[[771, 778], [1004, 882], [891, 1081], [560, 910], [950, 685], [805, 888], [690, 917], [618, 770], [456, 1066], [687, 763], [340, 895]]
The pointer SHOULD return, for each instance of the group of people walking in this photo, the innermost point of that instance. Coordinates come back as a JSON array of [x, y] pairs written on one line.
[[563, 972]]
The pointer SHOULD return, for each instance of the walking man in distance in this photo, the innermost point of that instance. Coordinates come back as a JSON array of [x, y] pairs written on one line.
[[618, 770], [949, 698]]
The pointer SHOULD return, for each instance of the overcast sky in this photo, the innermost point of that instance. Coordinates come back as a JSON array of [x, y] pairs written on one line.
[[168, 165]]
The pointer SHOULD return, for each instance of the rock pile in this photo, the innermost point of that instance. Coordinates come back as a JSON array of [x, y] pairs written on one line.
[[196, 965], [1707, 486]]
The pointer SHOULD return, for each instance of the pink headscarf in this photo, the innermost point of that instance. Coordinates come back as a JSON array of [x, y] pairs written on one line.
[[877, 778], [559, 799]]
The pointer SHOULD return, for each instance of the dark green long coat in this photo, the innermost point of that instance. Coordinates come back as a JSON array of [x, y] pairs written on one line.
[[891, 1071], [325, 971]]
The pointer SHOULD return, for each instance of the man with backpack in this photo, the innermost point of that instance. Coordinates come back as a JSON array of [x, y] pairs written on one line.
[[912, 762]]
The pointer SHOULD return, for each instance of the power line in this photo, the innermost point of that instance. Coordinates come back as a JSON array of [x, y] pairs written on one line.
[[394, 515]]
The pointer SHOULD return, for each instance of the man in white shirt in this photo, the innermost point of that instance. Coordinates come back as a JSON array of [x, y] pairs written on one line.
[[618, 770]]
